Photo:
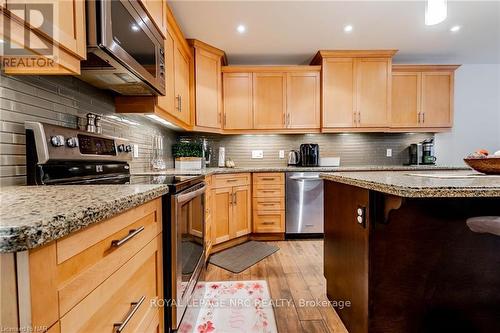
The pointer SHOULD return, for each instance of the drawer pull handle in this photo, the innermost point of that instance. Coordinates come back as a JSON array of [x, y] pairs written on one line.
[[267, 223], [268, 191], [131, 234], [268, 204], [134, 306], [268, 178], [232, 180]]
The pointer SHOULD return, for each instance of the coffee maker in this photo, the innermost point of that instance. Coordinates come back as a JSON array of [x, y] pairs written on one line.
[[422, 153], [309, 154]]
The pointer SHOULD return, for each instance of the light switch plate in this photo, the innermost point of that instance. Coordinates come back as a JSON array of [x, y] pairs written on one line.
[[136, 150], [388, 152], [282, 154], [257, 154]]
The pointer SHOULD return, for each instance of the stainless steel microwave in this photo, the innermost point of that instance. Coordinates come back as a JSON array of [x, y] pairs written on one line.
[[125, 49]]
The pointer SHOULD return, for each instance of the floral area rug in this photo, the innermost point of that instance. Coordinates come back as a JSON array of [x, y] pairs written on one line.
[[232, 307]]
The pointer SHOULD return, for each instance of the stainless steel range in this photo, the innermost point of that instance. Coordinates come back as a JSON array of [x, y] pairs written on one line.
[[58, 155]]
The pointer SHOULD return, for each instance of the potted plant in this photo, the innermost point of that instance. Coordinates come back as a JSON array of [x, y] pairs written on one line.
[[188, 155]]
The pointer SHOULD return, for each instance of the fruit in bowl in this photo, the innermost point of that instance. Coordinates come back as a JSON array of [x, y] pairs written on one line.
[[483, 162]]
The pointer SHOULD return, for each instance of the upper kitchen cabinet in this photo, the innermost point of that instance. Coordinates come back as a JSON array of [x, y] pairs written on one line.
[[303, 100], [237, 101], [356, 89], [175, 106], [259, 99], [422, 97], [207, 86], [269, 100], [55, 46], [157, 10]]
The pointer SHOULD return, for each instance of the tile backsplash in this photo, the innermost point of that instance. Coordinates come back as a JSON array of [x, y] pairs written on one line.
[[352, 148], [64, 101]]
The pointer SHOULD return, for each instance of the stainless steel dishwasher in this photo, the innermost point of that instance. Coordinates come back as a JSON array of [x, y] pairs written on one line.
[[304, 203]]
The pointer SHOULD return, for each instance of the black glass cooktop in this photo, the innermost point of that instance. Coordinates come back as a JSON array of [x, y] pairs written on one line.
[[176, 183]]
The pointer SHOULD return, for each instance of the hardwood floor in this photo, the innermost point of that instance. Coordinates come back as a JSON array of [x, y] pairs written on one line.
[[295, 278]]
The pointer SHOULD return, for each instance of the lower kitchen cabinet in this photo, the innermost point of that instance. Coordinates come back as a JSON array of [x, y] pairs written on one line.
[[209, 204], [232, 207], [268, 202], [89, 281]]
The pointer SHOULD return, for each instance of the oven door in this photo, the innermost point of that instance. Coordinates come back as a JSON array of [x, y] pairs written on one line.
[[130, 37], [188, 255]]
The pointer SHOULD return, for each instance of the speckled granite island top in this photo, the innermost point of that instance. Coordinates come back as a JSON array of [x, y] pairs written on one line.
[[32, 216], [441, 184]]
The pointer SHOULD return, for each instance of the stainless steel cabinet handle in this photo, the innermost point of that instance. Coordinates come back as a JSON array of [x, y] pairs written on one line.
[[268, 178], [423, 117], [131, 234], [359, 117], [232, 180], [268, 204], [267, 223], [355, 117], [235, 199], [180, 103], [418, 117], [225, 120], [134, 306]]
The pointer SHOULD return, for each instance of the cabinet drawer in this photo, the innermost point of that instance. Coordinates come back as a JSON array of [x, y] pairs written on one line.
[[232, 180], [268, 221], [266, 204], [114, 299], [84, 271], [269, 178], [268, 191]]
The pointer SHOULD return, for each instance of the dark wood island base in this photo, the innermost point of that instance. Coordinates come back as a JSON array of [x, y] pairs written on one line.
[[410, 264]]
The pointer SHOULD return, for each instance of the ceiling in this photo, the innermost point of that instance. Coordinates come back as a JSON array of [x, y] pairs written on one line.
[[290, 32]]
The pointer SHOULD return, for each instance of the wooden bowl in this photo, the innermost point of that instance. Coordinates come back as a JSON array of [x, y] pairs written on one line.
[[487, 165]]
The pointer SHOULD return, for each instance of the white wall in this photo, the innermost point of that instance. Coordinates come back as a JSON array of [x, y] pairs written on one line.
[[477, 114]]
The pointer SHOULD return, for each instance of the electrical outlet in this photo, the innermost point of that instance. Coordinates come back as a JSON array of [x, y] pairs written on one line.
[[257, 154], [388, 152], [136, 150], [282, 154]]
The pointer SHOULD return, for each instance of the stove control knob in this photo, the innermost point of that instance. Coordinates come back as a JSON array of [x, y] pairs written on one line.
[[128, 148], [72, 142], [121, 148], [57, 140]]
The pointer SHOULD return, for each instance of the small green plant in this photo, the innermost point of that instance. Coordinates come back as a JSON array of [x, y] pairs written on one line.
[[187, 149]]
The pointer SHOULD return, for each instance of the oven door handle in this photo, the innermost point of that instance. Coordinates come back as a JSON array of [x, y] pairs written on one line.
[[182, 198]]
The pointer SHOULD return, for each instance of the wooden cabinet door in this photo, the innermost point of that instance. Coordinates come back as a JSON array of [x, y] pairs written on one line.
[[181, 85], [269, 100], [157, 9], [373, 88], [222, 214], [338, 92], [302, 100], [437, 99], [167, 102], [241, 219], [64, 22], [406, 93], [208, 89], [237, 91]]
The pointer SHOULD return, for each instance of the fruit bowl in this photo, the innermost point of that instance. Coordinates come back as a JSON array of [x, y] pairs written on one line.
[[488, 165]]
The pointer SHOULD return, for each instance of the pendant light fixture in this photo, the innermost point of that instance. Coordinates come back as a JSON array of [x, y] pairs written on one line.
[[435, 12]]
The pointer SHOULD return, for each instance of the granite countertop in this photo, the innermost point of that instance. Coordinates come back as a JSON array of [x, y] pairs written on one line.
[[457, 183], [32, 216], [212, 171]]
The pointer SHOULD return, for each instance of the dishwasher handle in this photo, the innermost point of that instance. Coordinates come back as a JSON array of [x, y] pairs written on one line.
[[315, 178]]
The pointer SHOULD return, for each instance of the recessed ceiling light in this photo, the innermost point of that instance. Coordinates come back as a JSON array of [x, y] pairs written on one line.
[[241, 28], [455, 28], [348, 28]]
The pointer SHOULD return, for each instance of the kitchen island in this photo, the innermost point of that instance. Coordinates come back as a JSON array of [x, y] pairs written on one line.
[[397, 247]]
